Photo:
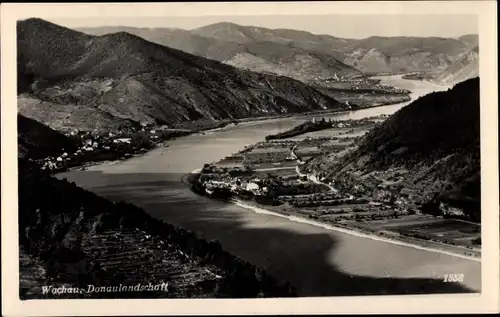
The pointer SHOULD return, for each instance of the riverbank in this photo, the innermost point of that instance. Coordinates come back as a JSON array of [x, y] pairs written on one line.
[[293, 214], [474, 255]]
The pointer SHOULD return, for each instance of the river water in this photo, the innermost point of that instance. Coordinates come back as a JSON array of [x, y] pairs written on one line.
[[316, 260]]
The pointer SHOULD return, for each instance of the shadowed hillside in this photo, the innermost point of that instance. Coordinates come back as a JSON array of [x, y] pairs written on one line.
[[432, 144], [36, 140]]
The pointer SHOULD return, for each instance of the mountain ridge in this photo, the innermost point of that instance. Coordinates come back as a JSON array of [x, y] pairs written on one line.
[[124, 74], [224, 40], [467, 66], [225, 51]]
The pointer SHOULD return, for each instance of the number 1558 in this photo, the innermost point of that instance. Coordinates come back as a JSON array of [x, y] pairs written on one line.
[[456, 277]]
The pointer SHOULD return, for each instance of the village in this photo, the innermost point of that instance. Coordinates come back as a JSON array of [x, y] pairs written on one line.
[[356, 83], [95, 147]]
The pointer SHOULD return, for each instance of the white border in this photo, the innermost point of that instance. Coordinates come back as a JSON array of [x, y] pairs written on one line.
[[487, 301]]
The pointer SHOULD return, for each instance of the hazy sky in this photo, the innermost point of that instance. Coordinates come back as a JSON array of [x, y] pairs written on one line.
[[347, 26]]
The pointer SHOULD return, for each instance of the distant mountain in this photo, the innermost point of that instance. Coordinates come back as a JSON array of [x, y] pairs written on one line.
[[274, 55], [467, 66], [36, 140], [396, 54], [430, 147], [374, 61], [291, 61], [248, 34], [373, 54], [233, 44], [123, 78], [402, 45], [176, 38], [472, 40]]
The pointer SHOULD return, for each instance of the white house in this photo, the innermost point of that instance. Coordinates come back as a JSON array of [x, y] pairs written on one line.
[[122, 140], [252, 186]]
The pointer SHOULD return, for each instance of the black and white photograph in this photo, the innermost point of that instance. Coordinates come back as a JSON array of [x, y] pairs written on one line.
[[249, 156]]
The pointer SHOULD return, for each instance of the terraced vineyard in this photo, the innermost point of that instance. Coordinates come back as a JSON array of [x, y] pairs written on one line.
[[134, 257], [72, 238]]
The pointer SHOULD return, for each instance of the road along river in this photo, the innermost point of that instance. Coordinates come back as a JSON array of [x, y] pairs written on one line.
[[317, 260]]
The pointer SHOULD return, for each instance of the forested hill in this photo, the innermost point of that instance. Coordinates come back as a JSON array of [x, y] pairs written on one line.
[[433, 126], [433, 144]]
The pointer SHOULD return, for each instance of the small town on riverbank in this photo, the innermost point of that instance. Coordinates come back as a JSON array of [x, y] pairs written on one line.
[[92, 146]]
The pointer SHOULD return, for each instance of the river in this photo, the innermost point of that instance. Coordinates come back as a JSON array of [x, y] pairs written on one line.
[[318, 261]]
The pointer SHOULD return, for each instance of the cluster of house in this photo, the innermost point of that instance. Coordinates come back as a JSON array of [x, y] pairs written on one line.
[[54, 163], [90, 142], [235, 185], [341, 124], [344, 123], [335, 77], [446, 209]]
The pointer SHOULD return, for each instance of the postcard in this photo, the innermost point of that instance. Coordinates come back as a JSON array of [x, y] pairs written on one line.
[[249, 158]]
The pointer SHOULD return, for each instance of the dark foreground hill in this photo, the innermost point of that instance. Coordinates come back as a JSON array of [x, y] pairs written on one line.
[[99, 82], [36, 140], [429, 148], [72, 238]]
